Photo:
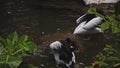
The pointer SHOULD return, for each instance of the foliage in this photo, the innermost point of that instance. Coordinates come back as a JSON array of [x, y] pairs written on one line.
[[93, 10], [112, 24], [109, 57], [111, 21], [13, 48]]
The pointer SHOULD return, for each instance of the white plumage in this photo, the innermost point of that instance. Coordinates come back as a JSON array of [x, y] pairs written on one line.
[[88, 27], [79, 20], [93, 23], [56, 47]]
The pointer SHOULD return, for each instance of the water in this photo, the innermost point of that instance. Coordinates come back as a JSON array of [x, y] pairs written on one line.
[[37, 22], [41, 21]]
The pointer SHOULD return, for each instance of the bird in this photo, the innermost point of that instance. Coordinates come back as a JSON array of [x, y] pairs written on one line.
[[63, 52], [88, 24]]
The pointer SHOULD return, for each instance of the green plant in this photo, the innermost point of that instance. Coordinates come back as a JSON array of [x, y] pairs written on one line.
[[111, 21], [109, 56], [13, 48]]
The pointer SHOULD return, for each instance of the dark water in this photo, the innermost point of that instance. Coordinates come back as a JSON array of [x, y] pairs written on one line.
[[39, 21]]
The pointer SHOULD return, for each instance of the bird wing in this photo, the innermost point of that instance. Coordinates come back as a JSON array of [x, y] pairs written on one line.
[[79, 28], [95, 22], [81, 18]]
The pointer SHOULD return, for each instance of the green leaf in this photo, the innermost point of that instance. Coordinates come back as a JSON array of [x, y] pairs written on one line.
[[12, 61], [13, 37], [9, 46], [1, 50], [101, 57], [115, 29], [23, 38], [113, 59], [31, 46], [105, 26], [92, 10]]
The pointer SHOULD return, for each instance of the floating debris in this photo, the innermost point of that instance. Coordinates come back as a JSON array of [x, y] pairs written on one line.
[[42, 65], [9, 12], [43, 32], [58, 29]]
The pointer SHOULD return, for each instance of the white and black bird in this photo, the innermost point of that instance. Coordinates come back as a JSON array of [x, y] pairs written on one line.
[[63, 52], [88, 24]]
